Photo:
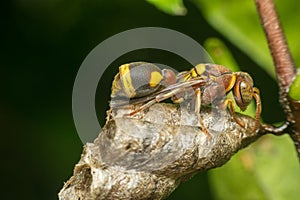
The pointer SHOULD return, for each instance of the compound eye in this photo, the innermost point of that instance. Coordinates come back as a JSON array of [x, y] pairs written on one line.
[[246, 93], [243, 86]]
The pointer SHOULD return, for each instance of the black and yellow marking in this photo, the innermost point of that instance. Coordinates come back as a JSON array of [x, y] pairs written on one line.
[[231, 83], [137, 79], [116, 87], [155, 79], [126, 80], [198, 70], [206, 70]]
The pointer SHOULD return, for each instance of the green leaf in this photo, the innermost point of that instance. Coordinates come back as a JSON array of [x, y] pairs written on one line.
[[173, 7], [294, 91], [239, 22], [265, 170], [220, 53]]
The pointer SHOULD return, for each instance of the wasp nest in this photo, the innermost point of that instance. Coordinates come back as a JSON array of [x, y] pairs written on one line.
[[148, 155]]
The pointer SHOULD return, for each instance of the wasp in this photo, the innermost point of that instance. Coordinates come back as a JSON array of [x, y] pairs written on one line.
[[205, 84]]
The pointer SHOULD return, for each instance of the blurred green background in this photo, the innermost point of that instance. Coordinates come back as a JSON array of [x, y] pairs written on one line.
[[43, 45]]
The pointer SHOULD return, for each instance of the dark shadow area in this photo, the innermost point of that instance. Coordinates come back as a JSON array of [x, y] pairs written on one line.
[[194, 189]]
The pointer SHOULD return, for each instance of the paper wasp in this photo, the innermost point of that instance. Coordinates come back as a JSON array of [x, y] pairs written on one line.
[[205, 84]]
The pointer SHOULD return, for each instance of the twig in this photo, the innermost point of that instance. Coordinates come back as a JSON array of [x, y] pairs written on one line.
[[283, 62], [284, 66], [268, 128]]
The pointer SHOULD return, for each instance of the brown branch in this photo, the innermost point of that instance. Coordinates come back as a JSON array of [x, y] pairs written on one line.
[[284, 66], [282, 58]]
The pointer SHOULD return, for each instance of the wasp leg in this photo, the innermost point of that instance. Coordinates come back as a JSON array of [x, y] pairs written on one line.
[[258, 108], [157, 99], [143, 107], [232, 111], [197, 111]]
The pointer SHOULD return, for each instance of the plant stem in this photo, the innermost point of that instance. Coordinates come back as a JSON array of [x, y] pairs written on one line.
[[282, 58], [284, 66]]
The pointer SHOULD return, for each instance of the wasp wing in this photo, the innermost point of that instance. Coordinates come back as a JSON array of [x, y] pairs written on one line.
[[177, 88]]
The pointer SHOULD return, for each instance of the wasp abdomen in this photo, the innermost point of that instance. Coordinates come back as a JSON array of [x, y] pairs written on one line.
[[139, 79]]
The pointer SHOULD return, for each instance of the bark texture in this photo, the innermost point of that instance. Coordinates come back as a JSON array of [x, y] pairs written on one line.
[[284, 66]]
